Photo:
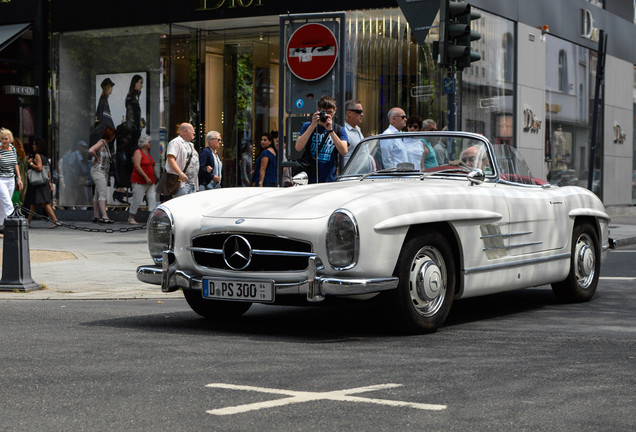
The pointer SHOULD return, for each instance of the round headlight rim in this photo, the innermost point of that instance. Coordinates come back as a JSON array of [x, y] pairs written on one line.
[[356, 228], [170, 242]]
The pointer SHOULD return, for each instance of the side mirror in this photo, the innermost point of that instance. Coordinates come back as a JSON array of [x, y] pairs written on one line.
[[300, 179], [476, 176]]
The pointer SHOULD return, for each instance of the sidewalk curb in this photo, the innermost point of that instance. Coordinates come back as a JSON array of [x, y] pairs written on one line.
[[625, 241]]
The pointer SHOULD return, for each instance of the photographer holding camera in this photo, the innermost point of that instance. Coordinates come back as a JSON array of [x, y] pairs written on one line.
[[326, 139]]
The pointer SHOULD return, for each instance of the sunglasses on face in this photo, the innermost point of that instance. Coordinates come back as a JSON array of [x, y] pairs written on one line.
[[403, 117], [413, 126], [357, 111]]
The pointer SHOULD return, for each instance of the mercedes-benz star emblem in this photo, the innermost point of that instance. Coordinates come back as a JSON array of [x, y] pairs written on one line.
[[237, 252]]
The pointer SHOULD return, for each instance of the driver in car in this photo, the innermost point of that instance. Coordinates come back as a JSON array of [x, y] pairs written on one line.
[[472, 157]]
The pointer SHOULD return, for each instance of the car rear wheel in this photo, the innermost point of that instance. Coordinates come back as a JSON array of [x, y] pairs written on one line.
[[217, 310], [585, 266], [427, 283]]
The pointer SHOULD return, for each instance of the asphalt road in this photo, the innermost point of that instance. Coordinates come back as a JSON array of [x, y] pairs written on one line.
[[516, 361]]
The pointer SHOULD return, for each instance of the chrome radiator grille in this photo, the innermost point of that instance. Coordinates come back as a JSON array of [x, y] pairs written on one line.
[[250, 252]]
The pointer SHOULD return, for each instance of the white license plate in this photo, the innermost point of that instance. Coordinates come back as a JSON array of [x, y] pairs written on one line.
[[260, 291]]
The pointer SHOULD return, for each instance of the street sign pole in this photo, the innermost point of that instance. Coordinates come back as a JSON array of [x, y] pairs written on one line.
[[312, 64]]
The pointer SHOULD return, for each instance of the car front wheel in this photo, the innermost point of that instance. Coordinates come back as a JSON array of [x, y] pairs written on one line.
[[585, 266], [426, 271], [217, 310]]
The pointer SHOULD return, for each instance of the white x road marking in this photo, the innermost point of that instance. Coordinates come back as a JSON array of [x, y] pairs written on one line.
[[301, 396]]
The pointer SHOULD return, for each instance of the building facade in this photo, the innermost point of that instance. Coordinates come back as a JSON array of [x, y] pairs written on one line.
[[215, 63], [24, 68]]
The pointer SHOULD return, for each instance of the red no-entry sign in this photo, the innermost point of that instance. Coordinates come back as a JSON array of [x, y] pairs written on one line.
[[312, 51]]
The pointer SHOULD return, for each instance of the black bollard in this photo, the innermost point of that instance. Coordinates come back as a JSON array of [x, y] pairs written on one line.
[[16, 261]]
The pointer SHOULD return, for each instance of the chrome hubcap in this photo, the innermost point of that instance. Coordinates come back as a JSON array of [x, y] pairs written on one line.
[[427, 281], [585, 257]]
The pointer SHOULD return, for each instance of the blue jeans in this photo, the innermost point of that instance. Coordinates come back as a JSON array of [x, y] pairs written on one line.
[[186, 189], [211, 185]]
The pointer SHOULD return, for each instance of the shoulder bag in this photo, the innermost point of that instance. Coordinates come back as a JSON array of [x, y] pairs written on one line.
[[38, 178], [169, 183]]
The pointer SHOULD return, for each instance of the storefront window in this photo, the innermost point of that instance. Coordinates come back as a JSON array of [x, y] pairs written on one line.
[[122, 69], [487, 104], [226, 79], [570, 74]]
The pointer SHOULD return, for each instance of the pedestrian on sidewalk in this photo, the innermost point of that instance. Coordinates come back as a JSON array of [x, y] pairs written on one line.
[[142, 178], [99, 172], [40, 195], [182, 160], [9, 174], [210, 164]]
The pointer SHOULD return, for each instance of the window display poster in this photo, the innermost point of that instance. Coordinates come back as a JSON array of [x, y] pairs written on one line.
[[126, 99]]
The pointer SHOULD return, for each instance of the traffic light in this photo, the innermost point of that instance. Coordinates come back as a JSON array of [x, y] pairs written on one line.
[[455, 35]]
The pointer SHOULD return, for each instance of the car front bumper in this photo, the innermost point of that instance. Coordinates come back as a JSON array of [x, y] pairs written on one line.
[[315, 287]]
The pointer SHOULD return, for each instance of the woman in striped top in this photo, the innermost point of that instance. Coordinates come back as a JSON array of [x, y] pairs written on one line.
[[9, 173]]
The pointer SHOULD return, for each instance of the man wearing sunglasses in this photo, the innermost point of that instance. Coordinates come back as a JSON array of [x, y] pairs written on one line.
[[353, 118], [210, 164], [394, 150]]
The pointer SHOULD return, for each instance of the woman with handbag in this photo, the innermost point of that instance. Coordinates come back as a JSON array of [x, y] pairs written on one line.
[[99, 173], [40, 186]]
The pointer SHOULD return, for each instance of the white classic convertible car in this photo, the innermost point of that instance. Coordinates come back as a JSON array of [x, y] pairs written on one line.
[[477, 224]]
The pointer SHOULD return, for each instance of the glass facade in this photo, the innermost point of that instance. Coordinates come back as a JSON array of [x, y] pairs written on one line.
[[570, 77], [487, 86], [81, 63], [224, 75], [387, 68], [223, 79]]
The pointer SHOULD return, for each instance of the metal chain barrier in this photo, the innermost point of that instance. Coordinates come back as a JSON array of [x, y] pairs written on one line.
[[24, 211]]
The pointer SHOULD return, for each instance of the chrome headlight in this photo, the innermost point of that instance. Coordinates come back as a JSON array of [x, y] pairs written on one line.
[[159, 229], [343, 240]]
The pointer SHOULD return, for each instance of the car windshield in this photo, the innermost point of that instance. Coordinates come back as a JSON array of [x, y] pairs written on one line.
[[513, 167], [452, 154]]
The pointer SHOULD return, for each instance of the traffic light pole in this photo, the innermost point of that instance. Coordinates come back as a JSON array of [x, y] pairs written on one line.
[[600, 77], [452, 99]]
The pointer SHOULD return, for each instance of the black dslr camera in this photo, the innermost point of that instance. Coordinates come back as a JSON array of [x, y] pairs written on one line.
[[323, 116]]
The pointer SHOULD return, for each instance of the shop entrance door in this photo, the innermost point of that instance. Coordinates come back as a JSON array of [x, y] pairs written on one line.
[[240, 80]]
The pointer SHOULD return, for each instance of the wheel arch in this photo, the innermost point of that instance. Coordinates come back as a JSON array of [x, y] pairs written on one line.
[[450, 234], [594, 222]]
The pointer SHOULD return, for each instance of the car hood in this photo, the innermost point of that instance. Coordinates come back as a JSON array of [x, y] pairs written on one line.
[[302, 202]]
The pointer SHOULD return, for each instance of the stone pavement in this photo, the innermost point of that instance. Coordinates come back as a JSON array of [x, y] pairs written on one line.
[[73, 264]]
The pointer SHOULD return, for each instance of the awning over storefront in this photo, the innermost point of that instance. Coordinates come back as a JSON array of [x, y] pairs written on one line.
[[10, 32]]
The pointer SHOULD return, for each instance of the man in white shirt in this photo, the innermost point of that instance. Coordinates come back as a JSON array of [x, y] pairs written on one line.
[[179, 151], [394, 151], [353, 117]]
